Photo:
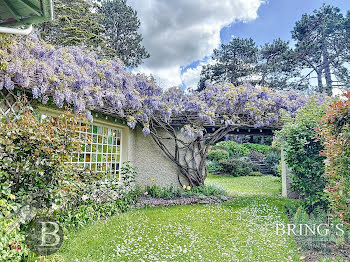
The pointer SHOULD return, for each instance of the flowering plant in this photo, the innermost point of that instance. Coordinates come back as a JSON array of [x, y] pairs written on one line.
[[76, 77], [335, 134]]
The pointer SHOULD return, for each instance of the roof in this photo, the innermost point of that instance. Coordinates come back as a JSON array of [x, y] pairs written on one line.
[[21, 12]]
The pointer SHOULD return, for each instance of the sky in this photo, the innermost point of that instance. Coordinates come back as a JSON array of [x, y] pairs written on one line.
[[180, 35]]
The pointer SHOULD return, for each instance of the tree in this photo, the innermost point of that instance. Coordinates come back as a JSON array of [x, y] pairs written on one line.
[[235, 63], [321, 45], [277, 67], [121, 28], [75, 24], [241, 61], [183, 124]]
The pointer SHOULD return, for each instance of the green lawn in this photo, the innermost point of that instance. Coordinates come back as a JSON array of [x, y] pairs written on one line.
[[241, 230], [247, 185]]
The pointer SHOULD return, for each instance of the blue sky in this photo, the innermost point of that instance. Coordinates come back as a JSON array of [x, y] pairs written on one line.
[[181, 35], [276, 19]]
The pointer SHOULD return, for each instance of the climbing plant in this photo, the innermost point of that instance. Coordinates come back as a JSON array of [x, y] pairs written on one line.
[[183, 124]]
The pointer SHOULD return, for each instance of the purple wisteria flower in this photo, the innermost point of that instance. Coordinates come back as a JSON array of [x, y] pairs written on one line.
[[76, 77]]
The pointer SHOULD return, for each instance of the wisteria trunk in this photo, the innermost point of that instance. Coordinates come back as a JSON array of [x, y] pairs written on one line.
[[189, 154]]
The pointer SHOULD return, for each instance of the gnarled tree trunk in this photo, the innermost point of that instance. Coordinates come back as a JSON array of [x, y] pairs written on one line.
[[189, 154]]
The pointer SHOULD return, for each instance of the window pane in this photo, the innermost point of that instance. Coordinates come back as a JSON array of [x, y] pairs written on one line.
[[101, 153]]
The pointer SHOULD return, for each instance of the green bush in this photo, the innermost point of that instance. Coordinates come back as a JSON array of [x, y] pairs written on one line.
[[329, 233], [235, 149], [35, 154], [272, 160], [237, 167], [303, 155], [91, 211], [213, 166], [206, 190], [12, 247], [335, 135], [264, 149], [171, 192], [218, 154], [100, 199]]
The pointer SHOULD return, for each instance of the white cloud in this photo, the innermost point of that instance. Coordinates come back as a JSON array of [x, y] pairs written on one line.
[[192, 75], [176, 33]]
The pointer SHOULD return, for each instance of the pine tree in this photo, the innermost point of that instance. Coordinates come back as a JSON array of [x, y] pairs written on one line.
[[75, 24], [121, 25]]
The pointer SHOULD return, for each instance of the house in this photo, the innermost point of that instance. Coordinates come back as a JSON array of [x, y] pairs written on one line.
[[113, 143]]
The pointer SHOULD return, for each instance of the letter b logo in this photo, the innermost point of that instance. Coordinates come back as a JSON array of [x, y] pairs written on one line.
[[44, 236]]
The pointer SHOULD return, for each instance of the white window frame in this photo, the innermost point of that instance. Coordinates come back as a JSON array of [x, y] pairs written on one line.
[[111, 156]]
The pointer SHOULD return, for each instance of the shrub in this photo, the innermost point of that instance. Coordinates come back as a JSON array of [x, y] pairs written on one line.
[[272, 160], [235, 149], [303, 155], [218, 154], [335, 133], [171, 192], [264, 149], [12, 246], [237, 166], [213, 166], [34, 154], [329, 232], [207, 190], [99, 200]]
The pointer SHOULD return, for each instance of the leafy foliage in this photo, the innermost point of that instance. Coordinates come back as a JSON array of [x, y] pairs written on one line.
[[272, 160], [303, 155], [34, 154], [186, 191], [264, 149], [237, 167], [235, 149], [76, 77], [121, 31], [335, 133], [218, 154], [12, 246], [75, 24]]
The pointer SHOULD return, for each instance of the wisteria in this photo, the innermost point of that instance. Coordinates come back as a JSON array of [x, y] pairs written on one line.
[[72, 76]]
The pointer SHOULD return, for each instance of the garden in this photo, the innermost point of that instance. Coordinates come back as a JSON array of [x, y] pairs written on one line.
[[74, 116]]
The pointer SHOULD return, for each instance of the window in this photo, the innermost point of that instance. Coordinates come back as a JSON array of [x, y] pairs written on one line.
[[102, 152]]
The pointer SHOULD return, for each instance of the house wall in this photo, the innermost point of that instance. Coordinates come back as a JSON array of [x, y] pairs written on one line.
[[140, 150], [151, 162]]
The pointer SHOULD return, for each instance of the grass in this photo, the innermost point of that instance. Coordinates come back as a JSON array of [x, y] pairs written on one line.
[[247, 185], [240, 230]]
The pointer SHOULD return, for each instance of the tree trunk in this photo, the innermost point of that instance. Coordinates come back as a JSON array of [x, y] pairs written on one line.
[[319, 81], [188, 154], [327, 70]]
